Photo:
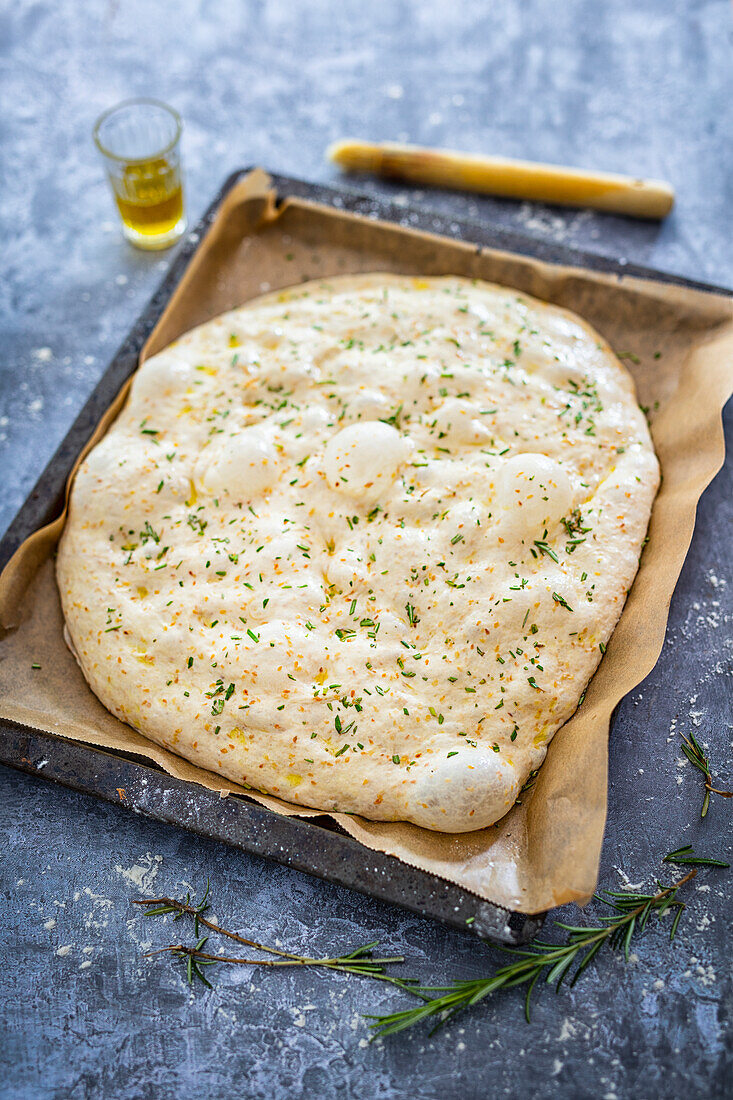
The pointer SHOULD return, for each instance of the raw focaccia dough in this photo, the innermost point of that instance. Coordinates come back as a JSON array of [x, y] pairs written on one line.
[[361, 543]]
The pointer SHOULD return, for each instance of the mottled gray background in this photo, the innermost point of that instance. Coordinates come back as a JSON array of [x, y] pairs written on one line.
[[643, 86]]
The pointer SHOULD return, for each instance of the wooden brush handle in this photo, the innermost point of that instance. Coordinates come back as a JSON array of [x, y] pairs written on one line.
[[516, 179]]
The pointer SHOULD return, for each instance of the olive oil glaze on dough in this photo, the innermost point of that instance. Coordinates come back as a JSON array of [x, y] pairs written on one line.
[[361, 543]]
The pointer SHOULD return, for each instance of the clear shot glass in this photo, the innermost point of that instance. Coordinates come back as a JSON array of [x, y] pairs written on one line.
[[140, 144]]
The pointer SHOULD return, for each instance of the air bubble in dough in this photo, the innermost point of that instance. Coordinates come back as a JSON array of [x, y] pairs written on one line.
[[362, 460], [531, 491], [165, 375], [245, 465]]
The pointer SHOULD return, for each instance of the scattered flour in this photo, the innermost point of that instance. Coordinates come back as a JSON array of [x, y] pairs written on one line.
[[625, 881], [567, 1031], [98, 899], [97, 917], [141, 874], [706, 975]]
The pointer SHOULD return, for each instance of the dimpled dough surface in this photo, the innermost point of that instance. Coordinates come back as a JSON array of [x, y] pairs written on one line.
[[361, 543]]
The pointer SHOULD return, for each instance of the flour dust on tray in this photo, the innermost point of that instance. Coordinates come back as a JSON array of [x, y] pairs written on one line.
[[361, 543]]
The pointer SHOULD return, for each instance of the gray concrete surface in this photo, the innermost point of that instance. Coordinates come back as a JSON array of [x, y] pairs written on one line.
[[644, 86]]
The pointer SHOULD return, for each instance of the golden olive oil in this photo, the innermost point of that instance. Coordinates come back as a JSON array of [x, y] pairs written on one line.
[[149, 196]]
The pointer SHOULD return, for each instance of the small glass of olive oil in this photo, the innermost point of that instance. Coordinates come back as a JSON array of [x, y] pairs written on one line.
[[140, 143]]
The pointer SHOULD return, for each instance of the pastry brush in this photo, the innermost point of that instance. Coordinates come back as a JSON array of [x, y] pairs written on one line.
[[516, 179]]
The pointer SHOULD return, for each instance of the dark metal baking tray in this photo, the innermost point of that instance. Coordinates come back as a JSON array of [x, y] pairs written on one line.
[[314, 845]]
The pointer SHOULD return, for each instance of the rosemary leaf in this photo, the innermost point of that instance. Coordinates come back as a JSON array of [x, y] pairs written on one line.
[[686, 857]]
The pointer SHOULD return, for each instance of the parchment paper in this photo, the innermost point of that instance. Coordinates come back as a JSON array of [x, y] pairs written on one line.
[[545, 851]]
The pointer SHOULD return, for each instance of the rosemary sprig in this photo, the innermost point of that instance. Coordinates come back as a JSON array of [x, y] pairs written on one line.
[[630, 912], [552, 962], [359, 961], [694, 752]]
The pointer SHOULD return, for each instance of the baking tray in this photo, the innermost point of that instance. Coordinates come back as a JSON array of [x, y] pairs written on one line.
[[316, 846]]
